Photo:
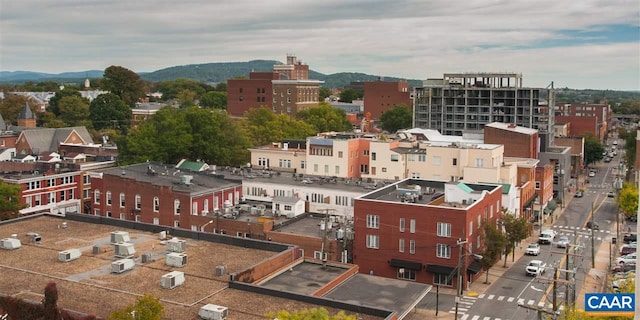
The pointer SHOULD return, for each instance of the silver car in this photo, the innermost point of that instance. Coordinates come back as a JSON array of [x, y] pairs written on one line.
[[563, 242]]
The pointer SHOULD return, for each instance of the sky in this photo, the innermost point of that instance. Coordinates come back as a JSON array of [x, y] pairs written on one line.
[[573, 43]]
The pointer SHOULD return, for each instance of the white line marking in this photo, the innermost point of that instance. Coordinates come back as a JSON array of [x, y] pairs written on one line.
[[520, 301], [500, 298], [531, 302], [510, 299], [481, 296], [475, 318], [491, 296], [464, 317]]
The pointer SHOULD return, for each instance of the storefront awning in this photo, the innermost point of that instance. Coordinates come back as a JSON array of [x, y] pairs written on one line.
[[405, 264], [474, 267], [552, 205], [440, 269]]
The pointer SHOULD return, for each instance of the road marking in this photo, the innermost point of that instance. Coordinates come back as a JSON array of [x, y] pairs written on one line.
[[461, 310], [487, 318], [491, 296], [511, 299], [481, 296], [520, 301], [500, 298], [540, 304], [475, 318], [531, 302], [536, 289], [464, 317]]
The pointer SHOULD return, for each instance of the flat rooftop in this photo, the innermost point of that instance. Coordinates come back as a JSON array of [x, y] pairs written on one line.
[[322, 182], [86, 284], [308, 226]]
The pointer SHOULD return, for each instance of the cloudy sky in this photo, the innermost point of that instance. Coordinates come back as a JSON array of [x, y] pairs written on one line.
[[574, 43]]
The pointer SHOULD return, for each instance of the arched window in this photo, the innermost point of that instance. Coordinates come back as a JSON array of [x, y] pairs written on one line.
[[96, 196], [176, 207]]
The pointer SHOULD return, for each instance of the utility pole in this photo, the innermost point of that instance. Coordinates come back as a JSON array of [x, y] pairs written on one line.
[[566, 277], [460, 243], [593, 238], [555, 289], [325, 230]]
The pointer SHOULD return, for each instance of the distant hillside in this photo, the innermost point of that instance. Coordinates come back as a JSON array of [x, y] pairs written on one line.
[[210, 72], [22, 76]]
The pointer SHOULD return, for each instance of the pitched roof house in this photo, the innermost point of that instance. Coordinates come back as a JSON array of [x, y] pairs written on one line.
[[36, 141]]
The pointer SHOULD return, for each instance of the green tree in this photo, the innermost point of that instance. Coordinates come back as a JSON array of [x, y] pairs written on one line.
[[264, 127], [516, 230], [325, 118], [66, 92], [221, 86], [186, 98], [109, 111], [593, 149], [396, 118], [124, 83], [11, 106], [324, 93], [74, 111], [348, 95], [214, 99], [9, 200], [172, 88], [146, 307], [49, 120], [494, 244], [309, 314], [628, 199]]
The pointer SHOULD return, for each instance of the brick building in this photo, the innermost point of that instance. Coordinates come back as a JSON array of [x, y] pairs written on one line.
[[410, 229], [573, 112], [380, 96], [580, 126], [518, 141], [287, 89]]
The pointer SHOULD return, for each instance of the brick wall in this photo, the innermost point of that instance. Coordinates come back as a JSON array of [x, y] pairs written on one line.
[[266, 267]]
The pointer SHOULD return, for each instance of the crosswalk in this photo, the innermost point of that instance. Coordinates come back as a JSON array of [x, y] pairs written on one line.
[[466, 303], [581, 232]]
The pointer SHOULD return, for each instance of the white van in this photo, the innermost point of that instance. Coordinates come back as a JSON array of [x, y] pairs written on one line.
[[546, 236]]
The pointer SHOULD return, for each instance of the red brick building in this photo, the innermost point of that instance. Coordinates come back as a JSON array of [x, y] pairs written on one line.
[[580, 126], [410, 229], [380, 96], [160, 194], [576, 114], [518, 141], [285, 90]]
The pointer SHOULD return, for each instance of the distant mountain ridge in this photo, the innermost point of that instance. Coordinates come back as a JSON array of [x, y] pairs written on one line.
[[206, 72]]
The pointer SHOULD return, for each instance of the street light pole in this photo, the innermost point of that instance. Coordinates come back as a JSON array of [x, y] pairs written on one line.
[[593, 238], [460, 243]]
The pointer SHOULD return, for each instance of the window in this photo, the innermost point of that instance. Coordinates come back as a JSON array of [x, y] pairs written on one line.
[[406, 274], [138, 202], [394, 157], [412, 225], [442, 279], [470, 227], [156, 221], [121, 200], [108, 198], [373, 241], [326, 168], [176, 207], [86, 179], [315, 167], [240, 90], [401, 245], [52, 182], [96, 196], [337, 169], [287, 207], [401, 224], [412, 246], [194, 208], [415, 175], [444, 229], [455, 162], [122, 216], [364, 168], [176, 224], [156, 204], [479, 162], [373, 156], [537, 185], [284, 163], [491, 212], [365, 152], [319, 255], [97, 212], [443, 251], [422, 157], [263, 162], [436, 160], [108, 213], [342, 201], [339, 154], [411, 157], [373, 221]]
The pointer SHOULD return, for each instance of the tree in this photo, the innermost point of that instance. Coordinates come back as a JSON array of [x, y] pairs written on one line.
[[593, 149], [9, 200], [324, 93], [348, 95], [74, 111], [325, 118], [124, 83], [66, 92], [109, 111], [214, 99], [186, 98], [494, 244], [309, 314], [11, 106], [172, 88], [516, 230], [221, 86], [146, 307], [264, 127], [396, 118], [628, 200]]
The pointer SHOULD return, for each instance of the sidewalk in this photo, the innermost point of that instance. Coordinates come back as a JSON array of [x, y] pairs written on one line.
[[596, 280]]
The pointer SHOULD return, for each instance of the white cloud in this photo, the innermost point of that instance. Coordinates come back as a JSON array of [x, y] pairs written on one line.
[[413, 39]]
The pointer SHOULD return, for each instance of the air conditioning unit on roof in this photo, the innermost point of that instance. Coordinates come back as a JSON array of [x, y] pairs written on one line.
[[213, 312], [122, 265], [172, 279], [69, 255]]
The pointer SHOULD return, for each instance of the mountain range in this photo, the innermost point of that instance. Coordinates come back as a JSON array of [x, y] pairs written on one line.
[[207, 72]]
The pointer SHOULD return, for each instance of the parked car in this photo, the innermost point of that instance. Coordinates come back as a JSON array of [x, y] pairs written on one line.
[[579, 194], [592, 174], [533, 249], [607, 159], [610, 194], [593, 225], [631, 237], [563, 242], [627, 249], [546, 236], [633, 218], [535, 268], [629, 258]]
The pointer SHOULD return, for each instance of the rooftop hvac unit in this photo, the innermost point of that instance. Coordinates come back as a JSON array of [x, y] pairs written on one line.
[[163, 235], [122, 265], [120, 236], [69, 255], [35, 238], [175, 259], [176, 245], [172, 279], [221, 270], [213, 312], [96, 249], [147, 257], [10, 243], [124, 250]]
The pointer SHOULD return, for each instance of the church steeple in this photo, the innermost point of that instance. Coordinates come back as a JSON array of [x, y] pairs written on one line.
[[26, 118]]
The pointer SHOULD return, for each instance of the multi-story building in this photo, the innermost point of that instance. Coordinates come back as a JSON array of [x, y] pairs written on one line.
[[411, 229], [287, 90], [576, 114], [380, 96], [469, 101], [159, 194], [518, 141], [544, 191]]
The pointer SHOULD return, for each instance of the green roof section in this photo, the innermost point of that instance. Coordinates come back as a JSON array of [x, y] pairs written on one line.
[[191, 165], [505, 186], [465, 187]]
